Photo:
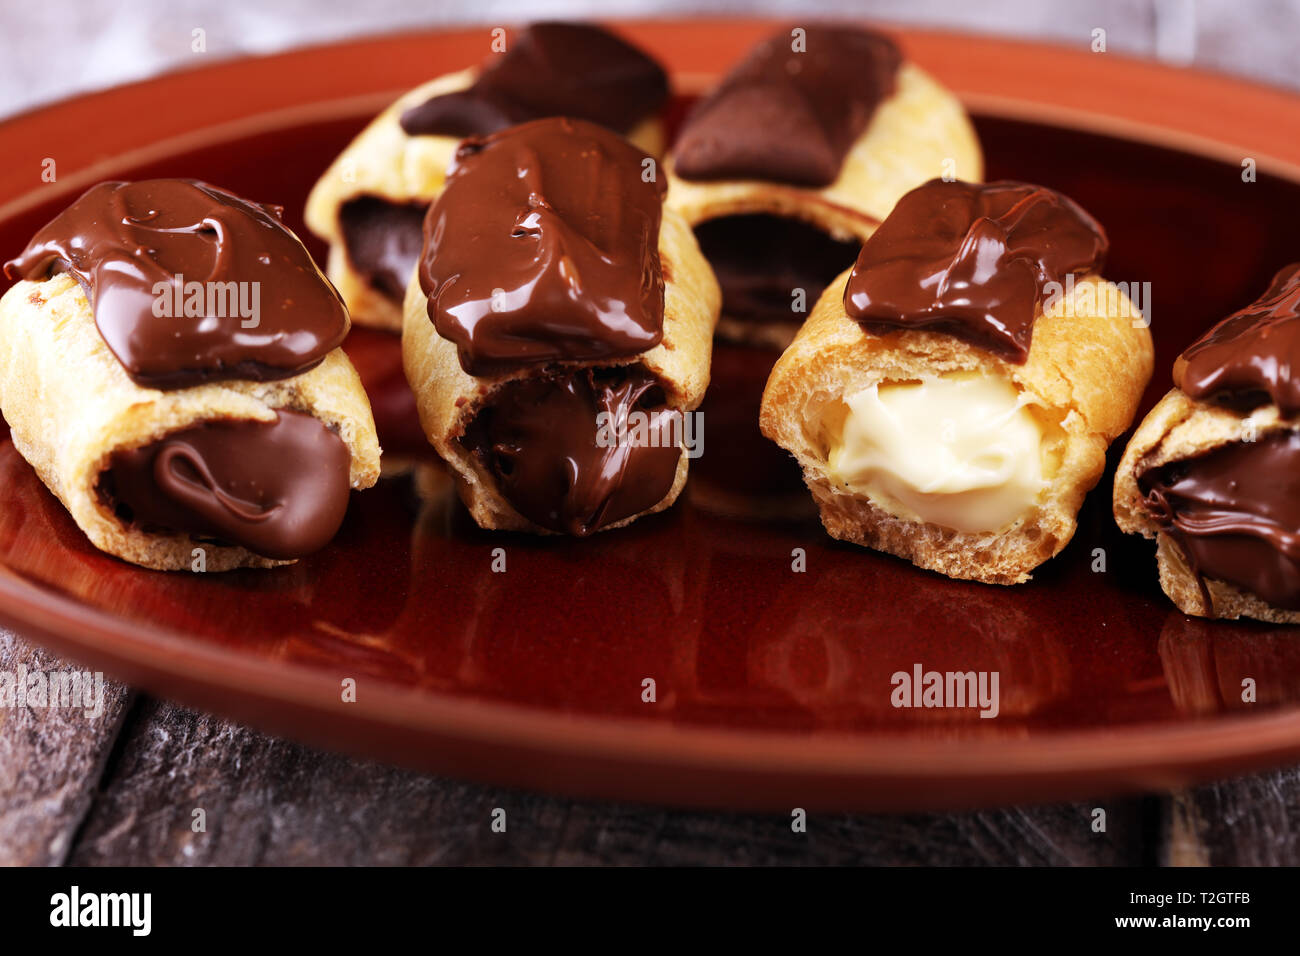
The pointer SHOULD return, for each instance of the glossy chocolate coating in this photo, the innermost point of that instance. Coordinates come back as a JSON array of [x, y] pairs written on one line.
[[278, 489], [1252, 357], [121, 240], [549, 69], [539, 439], [972, 261], [383, 241], [1235, 512], [760, 260], [786, 116], [544, 246]]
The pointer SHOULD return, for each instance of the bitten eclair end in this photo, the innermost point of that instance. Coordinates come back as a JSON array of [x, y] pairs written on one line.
[[1213, 471], [951, 397], [797, 156], [170, 366], [370, 203], [555, 303]]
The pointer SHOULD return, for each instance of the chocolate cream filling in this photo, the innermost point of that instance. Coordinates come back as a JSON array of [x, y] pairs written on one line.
[[383, 241], [563, 467], [279, 489], [760, 260], [1235, 513]]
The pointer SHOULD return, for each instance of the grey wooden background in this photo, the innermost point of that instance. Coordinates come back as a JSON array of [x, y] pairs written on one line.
[[52, 48], [123, 788]]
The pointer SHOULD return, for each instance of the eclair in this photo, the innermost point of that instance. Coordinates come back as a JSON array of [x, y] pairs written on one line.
[[1213, 471], [370, 204], [170, 366], [797, 156], [951, 397], [558, 330]]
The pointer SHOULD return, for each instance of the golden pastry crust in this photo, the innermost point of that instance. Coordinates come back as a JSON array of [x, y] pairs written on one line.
[[448, 398], [1087, 367], [919, 133], [1180, 427], [384, 161], [70, 405]]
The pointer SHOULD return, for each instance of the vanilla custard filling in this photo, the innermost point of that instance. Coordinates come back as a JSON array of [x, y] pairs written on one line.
[[963, 451]]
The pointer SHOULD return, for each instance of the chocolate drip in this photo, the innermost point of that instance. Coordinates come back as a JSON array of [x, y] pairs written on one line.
[[130, 244], [1235, 513], [544, 246], [760, 260], [1252, 357], [972, 261], [383, 240], [549, 69], [786, 116], [540, 439], [278, 489]]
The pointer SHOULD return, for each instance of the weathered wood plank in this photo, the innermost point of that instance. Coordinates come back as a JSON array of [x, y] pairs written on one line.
[[268, 801], [51, 758], [1250, 821]]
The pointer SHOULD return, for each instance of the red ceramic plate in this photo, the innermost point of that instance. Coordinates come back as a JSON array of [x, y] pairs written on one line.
[[772, 687]]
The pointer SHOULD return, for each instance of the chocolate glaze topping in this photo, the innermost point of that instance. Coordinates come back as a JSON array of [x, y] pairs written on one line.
[[549, 69], [1252, 357], [120, 240], [383, 241], [1235, 512], [972, 261], [760, 260], [278, 489], [786, 116], [539, 439], [544, 246]]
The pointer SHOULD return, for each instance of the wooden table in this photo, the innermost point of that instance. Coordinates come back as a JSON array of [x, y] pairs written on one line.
[[123, 788]]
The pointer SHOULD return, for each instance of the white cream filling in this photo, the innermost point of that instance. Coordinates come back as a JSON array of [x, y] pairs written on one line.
[[960, 450]]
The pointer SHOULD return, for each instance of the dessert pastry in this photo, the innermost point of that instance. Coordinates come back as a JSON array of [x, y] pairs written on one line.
[[169, 365], [370, 204], [951, 397], [558, 330], [797, 156], [1213, 471]]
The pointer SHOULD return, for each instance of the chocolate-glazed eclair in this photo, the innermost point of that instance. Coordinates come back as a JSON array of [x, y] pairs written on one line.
[[170, 366], [797, 156], [558, 329], [951, 397], [370, 203], [1213, 471]]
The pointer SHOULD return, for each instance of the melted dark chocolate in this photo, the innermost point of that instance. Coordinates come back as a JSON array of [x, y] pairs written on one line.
[[544, 246], [383, 241], [972, 261], [1235, 512], [539, 438], [123, 240], [787, 116], [1252, 357], [549, 69], [279, 489], [761, 259]]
